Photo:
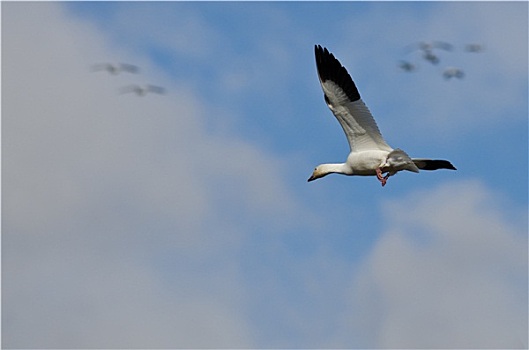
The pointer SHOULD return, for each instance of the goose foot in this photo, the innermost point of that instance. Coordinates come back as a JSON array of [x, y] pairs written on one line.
[[382, 179]]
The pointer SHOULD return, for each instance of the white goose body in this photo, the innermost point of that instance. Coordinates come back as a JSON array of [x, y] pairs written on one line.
[[369, 152]]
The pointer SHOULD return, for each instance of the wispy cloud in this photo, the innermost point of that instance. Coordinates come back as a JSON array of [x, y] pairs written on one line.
[[450, 271], [105, 194]]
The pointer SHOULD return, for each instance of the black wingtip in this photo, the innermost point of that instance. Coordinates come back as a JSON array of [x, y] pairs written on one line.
[[329, 68], [435, 164], [447, 165]]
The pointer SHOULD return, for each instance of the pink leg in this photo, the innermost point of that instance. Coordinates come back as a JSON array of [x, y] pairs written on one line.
[[382, 179]]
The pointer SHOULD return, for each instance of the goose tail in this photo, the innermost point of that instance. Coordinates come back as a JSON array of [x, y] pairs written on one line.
[[433, 164]]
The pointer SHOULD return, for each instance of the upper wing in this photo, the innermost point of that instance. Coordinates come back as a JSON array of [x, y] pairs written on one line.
[[343, 98]]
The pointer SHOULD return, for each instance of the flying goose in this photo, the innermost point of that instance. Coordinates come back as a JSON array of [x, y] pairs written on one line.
[[429, 46], [407, 66], [370, 154], [429, 56], [142, 90], [115, 68], [474, 48], [427, 49], [453, 72]]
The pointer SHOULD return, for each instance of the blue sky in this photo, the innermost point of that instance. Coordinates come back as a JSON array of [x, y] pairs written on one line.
[[185, 219]]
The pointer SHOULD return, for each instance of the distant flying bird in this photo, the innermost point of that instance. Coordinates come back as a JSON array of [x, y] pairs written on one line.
[[407, 66], [115, 68], [370, 154], [436, 45], [427, 49], [142, 90], [428, 55], [474, 48], [430, 46], [453, 72]]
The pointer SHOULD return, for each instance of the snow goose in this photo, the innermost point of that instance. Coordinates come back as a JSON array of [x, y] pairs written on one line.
[[453, 72], [142, 90], [115, 68], [429, 56], [407, 66], [427, 49], [436, 44], [369, 153], [474, 48]]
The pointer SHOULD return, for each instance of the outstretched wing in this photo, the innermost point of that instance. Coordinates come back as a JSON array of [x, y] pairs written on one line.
[[343, 99]]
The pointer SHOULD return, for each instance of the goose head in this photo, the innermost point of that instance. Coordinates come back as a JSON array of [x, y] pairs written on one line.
[[318, 172]]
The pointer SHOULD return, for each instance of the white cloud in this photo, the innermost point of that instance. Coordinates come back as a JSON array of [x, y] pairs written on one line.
[[122, 216], [450, 271]]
